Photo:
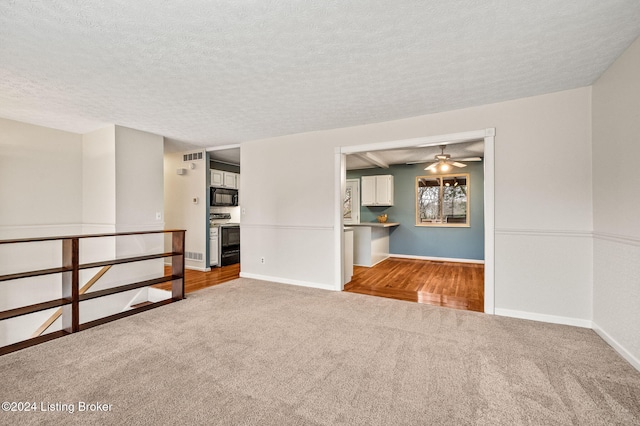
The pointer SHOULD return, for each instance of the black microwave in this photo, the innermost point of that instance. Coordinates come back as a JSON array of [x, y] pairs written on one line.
[[224, 197]]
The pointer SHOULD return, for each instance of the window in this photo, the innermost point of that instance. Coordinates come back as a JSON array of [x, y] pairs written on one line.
[[442, 200]]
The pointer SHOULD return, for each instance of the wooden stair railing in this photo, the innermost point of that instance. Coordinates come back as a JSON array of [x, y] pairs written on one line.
[[72, 295], [58, 313]]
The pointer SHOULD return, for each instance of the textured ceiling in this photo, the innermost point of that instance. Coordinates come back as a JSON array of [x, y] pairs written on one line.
[[218, 72]]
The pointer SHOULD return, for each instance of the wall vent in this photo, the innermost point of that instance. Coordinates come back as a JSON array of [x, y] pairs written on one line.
[[193, 156], [193, 255]]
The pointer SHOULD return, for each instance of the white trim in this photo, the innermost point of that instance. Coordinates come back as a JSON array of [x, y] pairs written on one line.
[[437, 259], [635, 362], [196, 268], [34, 231], [154, 226], [52, 225], [423, 141], [371, 266], [98, 225], [553, 319], [221, 147], [288, 281], [622, 239], [339, 186], [355, 206], [489, 222], [274, 226], [545, 232]]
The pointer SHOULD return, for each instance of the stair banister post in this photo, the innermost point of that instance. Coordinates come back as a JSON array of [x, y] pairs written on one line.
[[70, 280], [177, 264]]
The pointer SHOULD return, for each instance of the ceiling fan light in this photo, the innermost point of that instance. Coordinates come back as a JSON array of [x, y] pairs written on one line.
[[444, 167]]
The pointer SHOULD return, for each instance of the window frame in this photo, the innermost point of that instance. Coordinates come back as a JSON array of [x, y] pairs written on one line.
[[442, 177]]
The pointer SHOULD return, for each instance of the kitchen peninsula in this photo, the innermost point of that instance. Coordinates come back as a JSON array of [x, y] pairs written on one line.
[[371, 242]]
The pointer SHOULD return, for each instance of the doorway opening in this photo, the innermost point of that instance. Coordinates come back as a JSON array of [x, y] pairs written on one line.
[[223, 206], [473, 269]]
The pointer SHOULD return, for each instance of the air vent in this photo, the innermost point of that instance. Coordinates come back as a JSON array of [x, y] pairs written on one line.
[[192, 255], [193, 156]]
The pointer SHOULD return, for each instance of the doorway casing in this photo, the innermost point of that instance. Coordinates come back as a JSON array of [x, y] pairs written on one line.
[[488, 136]]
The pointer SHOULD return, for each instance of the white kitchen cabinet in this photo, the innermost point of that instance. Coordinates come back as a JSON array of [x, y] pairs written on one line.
[[213, 246], [217, 178], [230, 180], [377, 190], [224, 179]]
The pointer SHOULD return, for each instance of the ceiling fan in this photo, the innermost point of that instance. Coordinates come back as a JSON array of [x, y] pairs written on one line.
[[444, 161]]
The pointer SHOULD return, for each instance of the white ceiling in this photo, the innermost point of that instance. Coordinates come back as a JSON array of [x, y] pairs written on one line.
[[229, 156], [416, 155], [212, 73]]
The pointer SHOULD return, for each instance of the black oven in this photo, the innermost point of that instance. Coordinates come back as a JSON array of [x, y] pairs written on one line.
[[224, 197], [229, 244]]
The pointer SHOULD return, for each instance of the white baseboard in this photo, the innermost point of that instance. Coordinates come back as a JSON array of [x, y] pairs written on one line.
[[288, 281], [553, 319], [635, 362], [195, 268], [439, 259], [371, 266]]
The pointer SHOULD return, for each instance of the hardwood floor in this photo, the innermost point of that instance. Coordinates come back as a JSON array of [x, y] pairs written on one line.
[[197, 280], [449, 284], [454, 285]]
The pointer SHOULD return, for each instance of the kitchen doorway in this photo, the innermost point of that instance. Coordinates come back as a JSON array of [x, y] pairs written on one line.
[[487, 136]]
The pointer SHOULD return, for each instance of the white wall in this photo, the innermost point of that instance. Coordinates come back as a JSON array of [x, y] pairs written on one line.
[[616, 150], [543, 200], [180, 210], [139, 179], [60, 183], [40, 175], [40, 195], [99, 178]]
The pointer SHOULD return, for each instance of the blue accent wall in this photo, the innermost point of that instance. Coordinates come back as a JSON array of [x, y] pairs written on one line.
[[409, 239]]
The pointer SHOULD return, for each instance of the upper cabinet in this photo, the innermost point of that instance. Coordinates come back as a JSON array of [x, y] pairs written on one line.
[[377, 190], [225, 179], [230, 180], [217, 178]]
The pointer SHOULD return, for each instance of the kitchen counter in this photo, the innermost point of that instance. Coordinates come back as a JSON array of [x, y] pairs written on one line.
[[371, 242], [376, 224], [348, 255]]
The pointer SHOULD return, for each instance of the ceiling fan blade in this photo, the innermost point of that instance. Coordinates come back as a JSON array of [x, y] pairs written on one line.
[[431, 166], [467, 159], [455, 163]]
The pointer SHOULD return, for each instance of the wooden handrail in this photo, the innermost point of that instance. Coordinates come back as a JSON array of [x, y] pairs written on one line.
[[82, 291], [72, 295], [50, 271], [81, 236]]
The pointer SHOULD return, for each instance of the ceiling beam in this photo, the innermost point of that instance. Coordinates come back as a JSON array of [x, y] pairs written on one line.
[[372, 159]]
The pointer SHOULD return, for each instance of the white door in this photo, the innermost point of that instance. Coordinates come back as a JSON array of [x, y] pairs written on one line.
[[351, 204]]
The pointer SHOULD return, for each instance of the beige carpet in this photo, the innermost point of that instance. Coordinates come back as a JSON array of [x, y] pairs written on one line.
[[251, 352]]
